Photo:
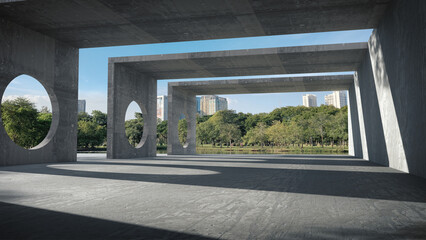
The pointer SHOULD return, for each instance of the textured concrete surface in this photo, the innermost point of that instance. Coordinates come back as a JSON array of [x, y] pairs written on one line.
[[305, 59], [267, 85], [354, 134], [248, 62], [212, 197], [394, 79], [181, 103], [55, 66], [181, 97], [124, 86], [96, 23]]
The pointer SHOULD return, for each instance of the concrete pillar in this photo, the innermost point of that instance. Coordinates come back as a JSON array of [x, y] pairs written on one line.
[[354, 135], [55, 66], [397, 59], [124, 86], [181, 102]]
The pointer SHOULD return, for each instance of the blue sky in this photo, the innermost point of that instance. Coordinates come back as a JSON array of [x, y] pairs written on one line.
[[93, 70]]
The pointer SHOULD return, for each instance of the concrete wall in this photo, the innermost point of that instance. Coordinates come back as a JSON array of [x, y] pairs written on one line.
[[354, 135], [375, 148], [393, 88], [124, 86], [181, 102], [55, 65]]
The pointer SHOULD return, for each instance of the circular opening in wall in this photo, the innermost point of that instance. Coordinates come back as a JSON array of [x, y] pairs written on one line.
[[26, 112], [183, 130], [134, 124]]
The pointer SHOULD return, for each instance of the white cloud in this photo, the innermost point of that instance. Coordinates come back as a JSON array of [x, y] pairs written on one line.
[[39, 100]]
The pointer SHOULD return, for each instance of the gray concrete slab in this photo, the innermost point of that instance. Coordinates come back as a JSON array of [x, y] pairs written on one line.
[[267, 85], [124, 86], [55, 65], [96, 23], [247, 62], [212, 197], [392, 78]]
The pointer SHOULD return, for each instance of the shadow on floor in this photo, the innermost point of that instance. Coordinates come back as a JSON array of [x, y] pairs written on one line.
[[343, 183], [20, 222]]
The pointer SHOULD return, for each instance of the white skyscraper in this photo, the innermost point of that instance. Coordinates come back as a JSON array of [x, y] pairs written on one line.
[[309, 100], [162, 107], [337, 99]]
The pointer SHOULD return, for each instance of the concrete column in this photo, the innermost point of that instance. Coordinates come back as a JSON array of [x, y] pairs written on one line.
[[355, 146], [55, 66], [181, 102], [397, 49], [124, 86]]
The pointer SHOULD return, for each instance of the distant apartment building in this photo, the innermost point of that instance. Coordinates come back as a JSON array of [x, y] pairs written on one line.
[[210, 104], [162, 107], [198, 105], [81, 106], [309, 100], [337, 99]]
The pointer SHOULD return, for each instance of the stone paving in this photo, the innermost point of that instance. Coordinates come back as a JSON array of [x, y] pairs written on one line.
[[211, 197]]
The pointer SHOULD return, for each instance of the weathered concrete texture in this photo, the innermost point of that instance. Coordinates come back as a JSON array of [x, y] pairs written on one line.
[[96, 23], [267, 85], [248, 62], [124, 86], [397, 49], [182, 100], [180, 103], [55, 66], [373, 128], [305, 59], [354, 134], [212, 197]]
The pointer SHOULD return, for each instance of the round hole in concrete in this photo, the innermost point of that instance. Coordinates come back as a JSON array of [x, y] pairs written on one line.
[[183, 130], [29, 112], [134, 124]]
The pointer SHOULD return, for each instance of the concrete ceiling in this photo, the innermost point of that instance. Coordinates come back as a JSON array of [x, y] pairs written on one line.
[[97, 23], [267, 85], [267, 61]]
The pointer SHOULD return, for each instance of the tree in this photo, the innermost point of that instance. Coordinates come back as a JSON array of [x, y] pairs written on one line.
[[100, 118], [183, 131], [22, 122], [277, 133], [162, 133], [134, 129], [89, 134], [229, 132]]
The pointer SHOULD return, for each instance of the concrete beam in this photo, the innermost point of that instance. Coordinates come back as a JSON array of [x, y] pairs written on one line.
[[247, 62], [102, 23]]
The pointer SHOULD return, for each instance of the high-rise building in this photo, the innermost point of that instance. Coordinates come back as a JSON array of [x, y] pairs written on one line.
[[162, 107], [337, 99], [210, 104], [81, 106], [198, 105], [309, 100]]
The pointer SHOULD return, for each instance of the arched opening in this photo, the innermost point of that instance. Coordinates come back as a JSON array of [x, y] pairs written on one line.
[[183, 130], [134, 125], [26, 112]]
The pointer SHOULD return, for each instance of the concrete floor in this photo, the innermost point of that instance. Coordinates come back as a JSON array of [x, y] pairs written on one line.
[[211, 197]]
